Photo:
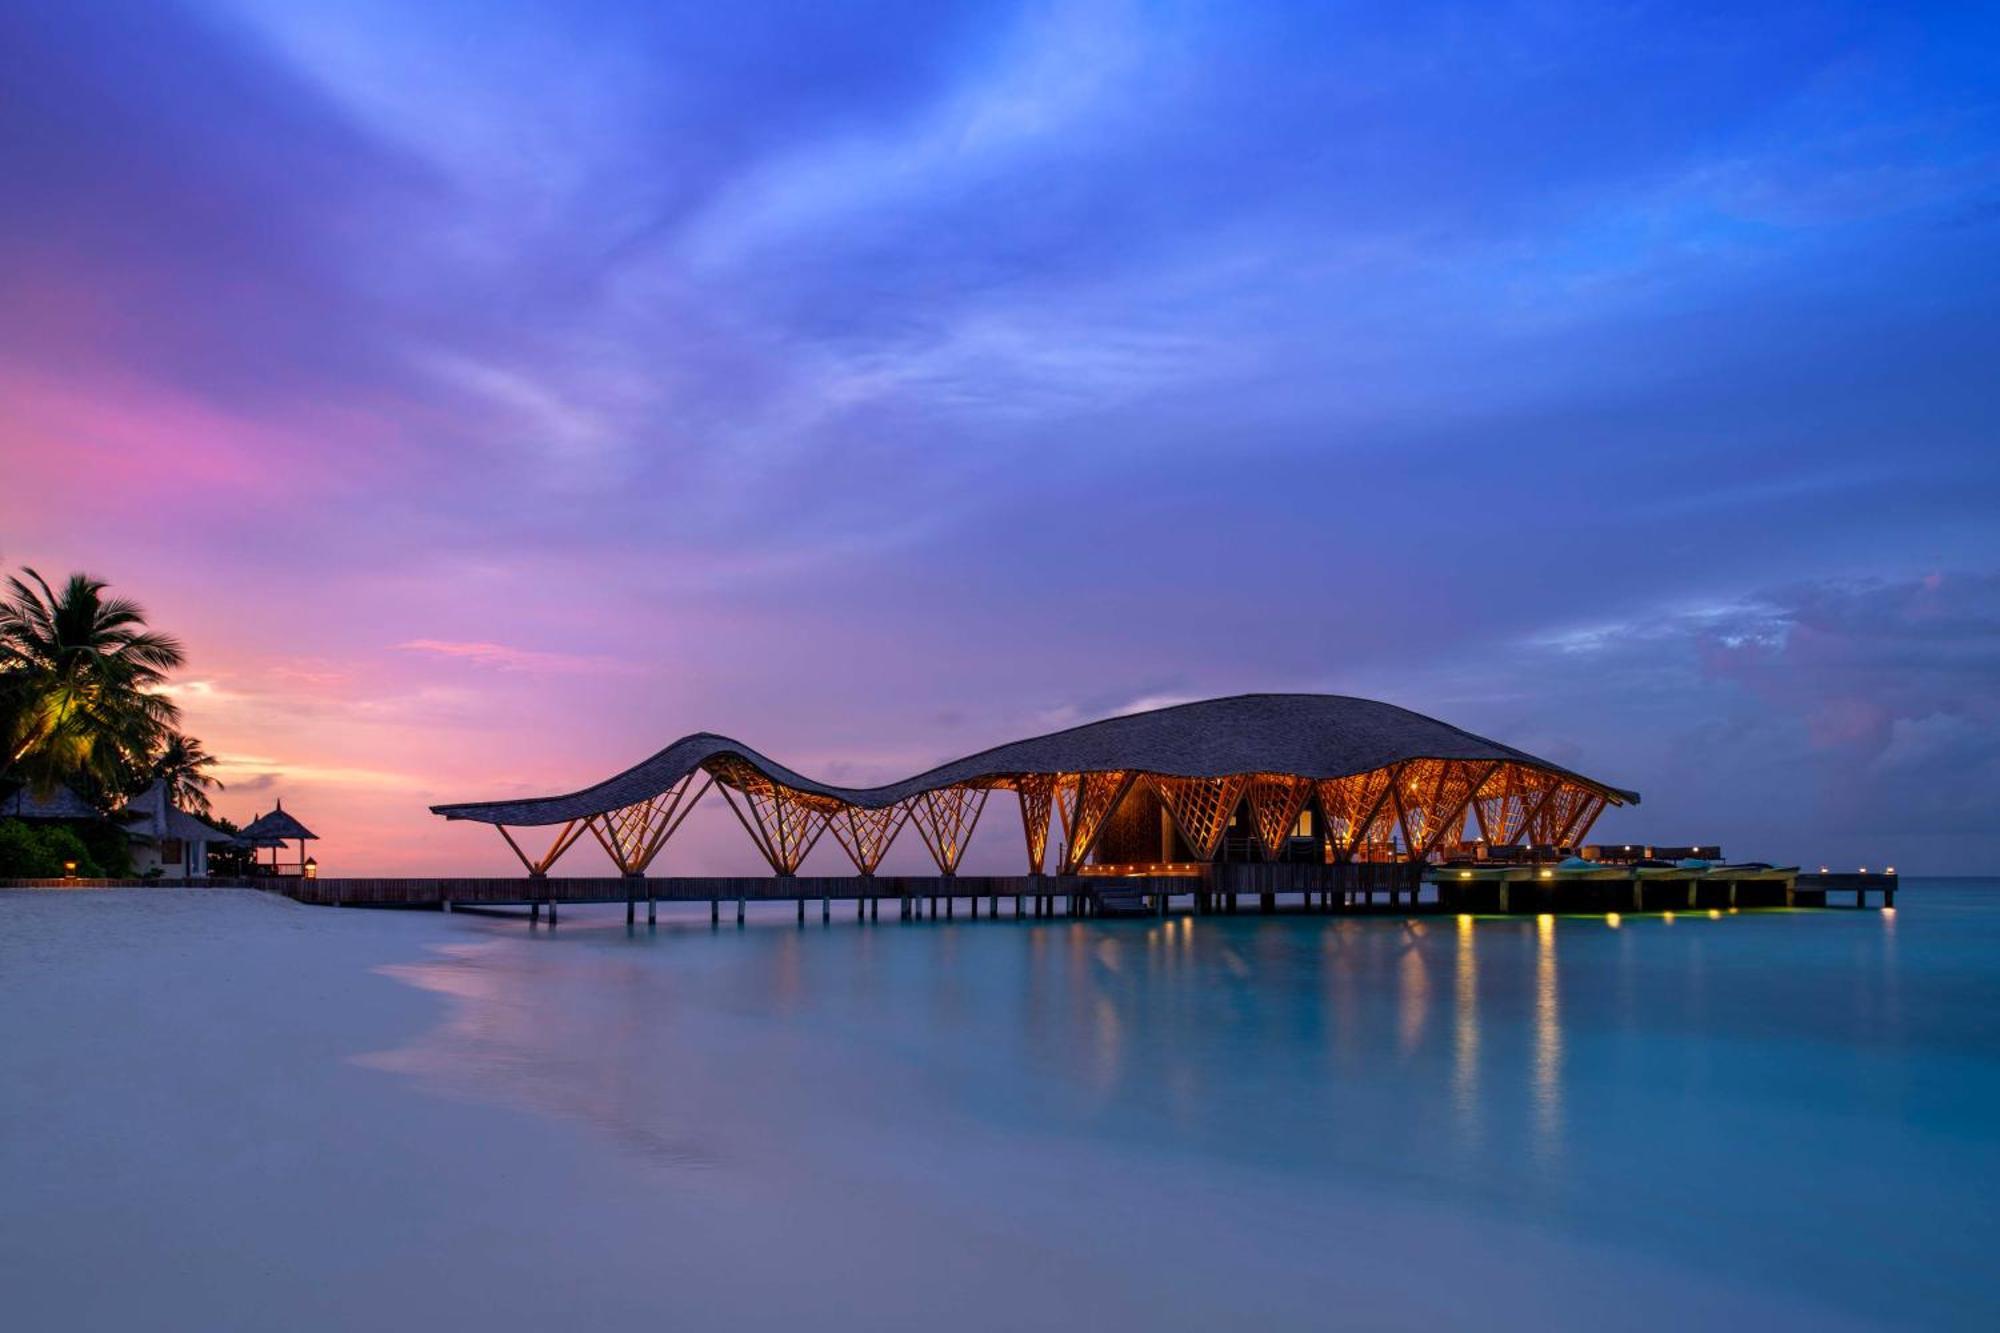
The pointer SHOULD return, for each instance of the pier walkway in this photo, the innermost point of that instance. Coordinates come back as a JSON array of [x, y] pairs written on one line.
[[1400, 888]]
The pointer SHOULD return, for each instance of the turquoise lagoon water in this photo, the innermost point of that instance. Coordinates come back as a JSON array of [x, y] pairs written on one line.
[[1785, 1117]]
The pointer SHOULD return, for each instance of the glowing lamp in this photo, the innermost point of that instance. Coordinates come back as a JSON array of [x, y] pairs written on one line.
[[69, 870], [1548, 874], [312, 868]]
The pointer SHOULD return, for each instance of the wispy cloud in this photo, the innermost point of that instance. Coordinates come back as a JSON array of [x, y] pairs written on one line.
[[503, 657]]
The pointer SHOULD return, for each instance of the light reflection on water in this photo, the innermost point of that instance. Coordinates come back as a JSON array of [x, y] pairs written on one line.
[[1744, 1093], [1465, 1032], [1548, 1044]]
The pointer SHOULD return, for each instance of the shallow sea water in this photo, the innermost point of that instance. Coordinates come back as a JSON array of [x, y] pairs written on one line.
[[223, 1111], [1794, 1116]]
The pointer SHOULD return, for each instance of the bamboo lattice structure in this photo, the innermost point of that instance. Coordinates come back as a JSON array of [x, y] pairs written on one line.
[[1085, 801], [565, 838], [1037, 792], [945, 818], [1200, 808], [865, 834], [1352, 805], [1276, 801], [633, 835], [783, 822]]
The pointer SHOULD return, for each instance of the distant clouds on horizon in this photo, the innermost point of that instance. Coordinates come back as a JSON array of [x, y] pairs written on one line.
[[490, 393]]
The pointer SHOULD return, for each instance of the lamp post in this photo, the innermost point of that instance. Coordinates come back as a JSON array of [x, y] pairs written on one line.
[[312, 868], [69, 870]]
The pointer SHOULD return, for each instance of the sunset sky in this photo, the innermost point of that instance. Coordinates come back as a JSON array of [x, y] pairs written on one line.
[[489, 394]]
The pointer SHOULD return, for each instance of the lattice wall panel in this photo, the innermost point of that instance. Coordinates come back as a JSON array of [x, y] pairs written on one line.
[[945, 818], [1581, 829], [1508, 800], [1037, 792], [633, 835], [1431, 798], [1201, 808], [783, 823], [1083, 801], [1275, 803], [1560, 813], [1356, 807], [866, 834]]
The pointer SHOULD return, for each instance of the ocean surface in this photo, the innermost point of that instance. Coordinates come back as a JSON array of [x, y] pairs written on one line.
[[232, 1111]]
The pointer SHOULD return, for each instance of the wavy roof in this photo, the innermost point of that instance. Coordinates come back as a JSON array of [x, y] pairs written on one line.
[[1306, 735]]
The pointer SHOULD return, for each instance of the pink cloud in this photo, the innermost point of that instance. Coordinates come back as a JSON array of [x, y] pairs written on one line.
[[507, 658]]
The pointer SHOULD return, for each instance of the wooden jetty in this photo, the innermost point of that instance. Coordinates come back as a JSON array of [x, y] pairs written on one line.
[[1405, 888]]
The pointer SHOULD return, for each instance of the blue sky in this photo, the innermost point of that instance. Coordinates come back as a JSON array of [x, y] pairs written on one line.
[[492, 392]]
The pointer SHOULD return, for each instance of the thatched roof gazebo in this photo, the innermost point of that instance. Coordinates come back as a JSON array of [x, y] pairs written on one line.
[[1255, 776], [274, 830]]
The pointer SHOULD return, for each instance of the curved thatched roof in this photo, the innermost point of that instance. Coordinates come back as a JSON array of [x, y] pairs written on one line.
[[276, 827], [1306, 735]]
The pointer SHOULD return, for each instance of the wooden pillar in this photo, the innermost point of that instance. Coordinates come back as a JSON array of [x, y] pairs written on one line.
[[739, 909], [714, 910]]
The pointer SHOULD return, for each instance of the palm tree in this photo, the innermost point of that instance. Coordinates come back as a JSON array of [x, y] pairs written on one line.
[[78, 678], [182, 764]]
